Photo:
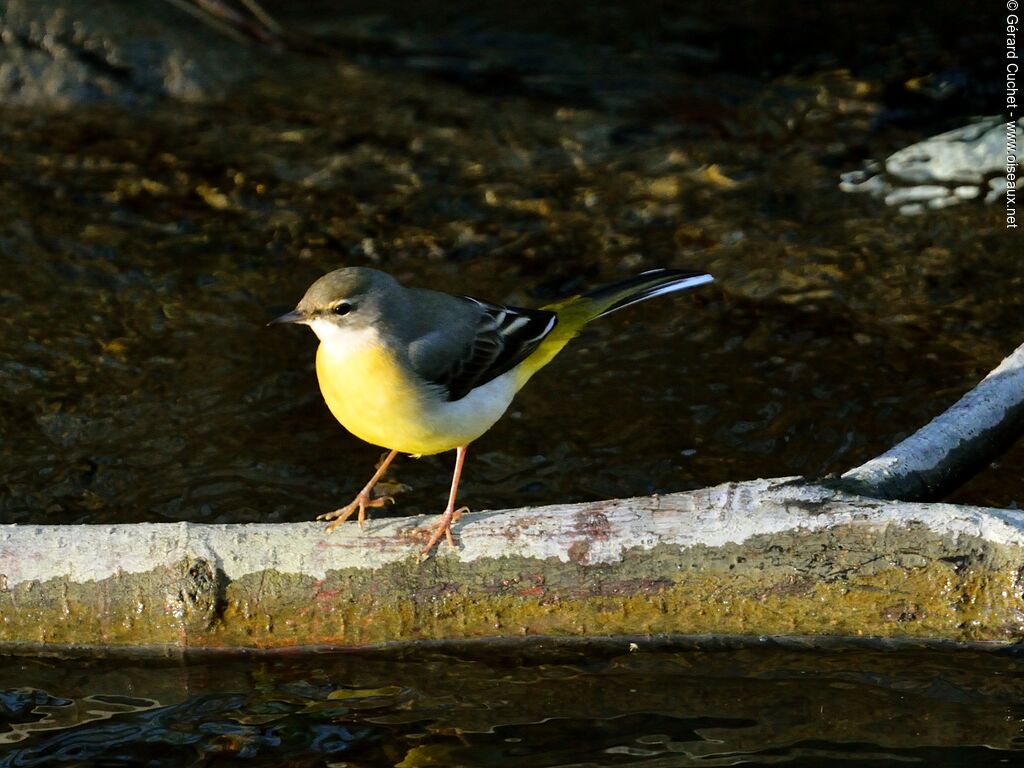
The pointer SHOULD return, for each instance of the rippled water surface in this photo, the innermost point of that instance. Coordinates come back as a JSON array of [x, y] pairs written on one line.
[[541, 706]]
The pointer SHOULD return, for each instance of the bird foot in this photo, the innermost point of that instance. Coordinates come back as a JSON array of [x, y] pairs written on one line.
[[360, 503], [443, 528]]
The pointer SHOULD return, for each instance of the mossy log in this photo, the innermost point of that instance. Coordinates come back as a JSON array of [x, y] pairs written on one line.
[[765, 557]]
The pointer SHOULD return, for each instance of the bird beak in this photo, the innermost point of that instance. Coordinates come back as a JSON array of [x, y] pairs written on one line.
[[295, 316]]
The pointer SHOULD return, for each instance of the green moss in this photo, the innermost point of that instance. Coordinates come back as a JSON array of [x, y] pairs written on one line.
[[848, 582]]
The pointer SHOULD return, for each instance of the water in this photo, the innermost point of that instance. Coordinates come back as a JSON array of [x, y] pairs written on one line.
[[139, 383], [701, 703], [518, 154]]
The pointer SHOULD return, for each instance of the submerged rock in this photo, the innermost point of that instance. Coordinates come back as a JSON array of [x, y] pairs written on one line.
[[63, 53], [943, 170]]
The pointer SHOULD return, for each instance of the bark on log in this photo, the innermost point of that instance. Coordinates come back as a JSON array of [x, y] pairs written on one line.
[[767, 557], [951, 448]]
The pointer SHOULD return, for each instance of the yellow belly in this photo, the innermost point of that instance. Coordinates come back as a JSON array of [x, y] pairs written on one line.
[[377, 401]]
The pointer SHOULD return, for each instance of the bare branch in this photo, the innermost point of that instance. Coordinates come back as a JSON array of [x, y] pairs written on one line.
[[954, 446]]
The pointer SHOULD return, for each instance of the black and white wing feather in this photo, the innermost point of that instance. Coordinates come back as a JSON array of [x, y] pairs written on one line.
[[503, 338]]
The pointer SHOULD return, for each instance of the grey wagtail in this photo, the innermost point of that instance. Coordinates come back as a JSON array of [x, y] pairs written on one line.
[[422, 372]]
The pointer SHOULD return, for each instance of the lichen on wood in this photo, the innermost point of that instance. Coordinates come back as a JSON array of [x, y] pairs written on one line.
[[757, 558]]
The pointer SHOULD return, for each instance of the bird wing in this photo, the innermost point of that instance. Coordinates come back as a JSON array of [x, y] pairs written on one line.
[[501, 338]]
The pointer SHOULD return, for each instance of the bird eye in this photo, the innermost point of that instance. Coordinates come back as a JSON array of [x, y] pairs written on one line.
[[342, 308]]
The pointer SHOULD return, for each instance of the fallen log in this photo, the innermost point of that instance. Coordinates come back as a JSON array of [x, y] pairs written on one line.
[[767, 557]]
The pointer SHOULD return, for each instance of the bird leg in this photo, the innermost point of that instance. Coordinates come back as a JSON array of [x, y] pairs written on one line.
[[444, 527], [362, 499]]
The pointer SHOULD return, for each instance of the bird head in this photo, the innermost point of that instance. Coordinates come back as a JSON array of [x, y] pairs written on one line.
[[345, 301]]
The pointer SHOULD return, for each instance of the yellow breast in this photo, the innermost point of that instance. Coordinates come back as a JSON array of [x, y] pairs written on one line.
[[366, 392], [378, 401]]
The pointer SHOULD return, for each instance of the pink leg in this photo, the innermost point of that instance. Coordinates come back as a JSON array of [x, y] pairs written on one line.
[[444, 527], [362, 499]]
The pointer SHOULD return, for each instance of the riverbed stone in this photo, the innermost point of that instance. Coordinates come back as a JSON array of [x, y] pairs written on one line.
[[66, 53]]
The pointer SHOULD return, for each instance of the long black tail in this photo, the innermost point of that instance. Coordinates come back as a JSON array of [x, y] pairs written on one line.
[[656, 282]]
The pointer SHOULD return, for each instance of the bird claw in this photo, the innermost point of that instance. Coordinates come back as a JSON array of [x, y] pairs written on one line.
[[443, 528], [361, 502]]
